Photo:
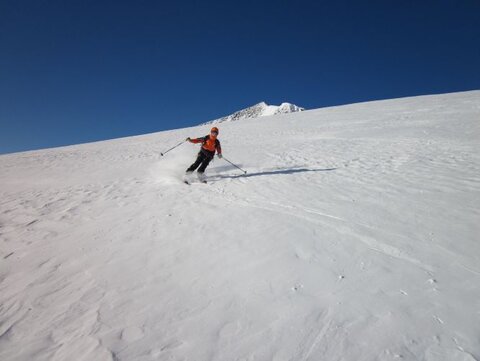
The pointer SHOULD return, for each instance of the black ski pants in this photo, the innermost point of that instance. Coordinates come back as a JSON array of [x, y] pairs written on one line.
[[203, 159]]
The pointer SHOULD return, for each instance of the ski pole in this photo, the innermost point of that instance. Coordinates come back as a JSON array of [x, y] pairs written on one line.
[[179, 144], [244, 171]]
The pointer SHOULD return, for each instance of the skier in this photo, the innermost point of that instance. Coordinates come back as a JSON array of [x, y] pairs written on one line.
[[210, 144]]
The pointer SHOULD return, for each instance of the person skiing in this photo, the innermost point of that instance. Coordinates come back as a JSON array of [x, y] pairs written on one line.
[[210, 144]]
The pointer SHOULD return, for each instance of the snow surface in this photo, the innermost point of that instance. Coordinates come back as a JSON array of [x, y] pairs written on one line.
[[261, 109], [353, 236]]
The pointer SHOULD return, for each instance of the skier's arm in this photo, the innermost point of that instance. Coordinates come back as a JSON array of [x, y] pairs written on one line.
[[218, 147], [196, 140]]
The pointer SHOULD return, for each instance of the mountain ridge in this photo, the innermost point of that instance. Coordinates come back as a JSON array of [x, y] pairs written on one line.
[[261, 109]]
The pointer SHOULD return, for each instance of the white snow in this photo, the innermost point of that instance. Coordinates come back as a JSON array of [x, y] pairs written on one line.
[[353, 236]]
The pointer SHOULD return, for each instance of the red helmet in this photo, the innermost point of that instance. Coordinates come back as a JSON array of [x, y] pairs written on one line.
[[214, 130]]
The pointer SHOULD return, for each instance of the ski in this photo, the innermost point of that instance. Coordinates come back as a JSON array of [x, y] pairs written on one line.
[[192, 182], [187, 179]]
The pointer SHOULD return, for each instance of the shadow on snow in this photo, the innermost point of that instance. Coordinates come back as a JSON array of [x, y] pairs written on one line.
[[274, 172]]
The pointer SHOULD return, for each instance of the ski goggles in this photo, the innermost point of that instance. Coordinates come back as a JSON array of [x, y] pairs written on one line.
[[214, 132]]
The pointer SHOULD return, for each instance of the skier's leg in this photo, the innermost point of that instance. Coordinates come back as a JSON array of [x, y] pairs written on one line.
[[204, 165], [201, 170], [195, 165]]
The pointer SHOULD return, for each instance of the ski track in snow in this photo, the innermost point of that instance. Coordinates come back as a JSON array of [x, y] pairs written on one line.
[[353, 236]]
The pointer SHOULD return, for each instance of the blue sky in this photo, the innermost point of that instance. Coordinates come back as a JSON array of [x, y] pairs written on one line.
[[79, 70]]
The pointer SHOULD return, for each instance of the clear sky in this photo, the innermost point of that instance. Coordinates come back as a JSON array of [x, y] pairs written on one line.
[[84, 70]]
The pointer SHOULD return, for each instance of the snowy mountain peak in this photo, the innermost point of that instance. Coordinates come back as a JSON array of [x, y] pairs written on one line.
[[261, 109], [288, 108]]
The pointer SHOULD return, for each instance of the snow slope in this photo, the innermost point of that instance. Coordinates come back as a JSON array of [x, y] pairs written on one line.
[[261, 109], [354, 236]]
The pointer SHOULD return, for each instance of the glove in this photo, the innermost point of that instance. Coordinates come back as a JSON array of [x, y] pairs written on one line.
[[220, 156], [188, 139]]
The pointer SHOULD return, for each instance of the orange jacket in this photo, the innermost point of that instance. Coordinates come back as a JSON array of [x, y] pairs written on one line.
[[209, 143]]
